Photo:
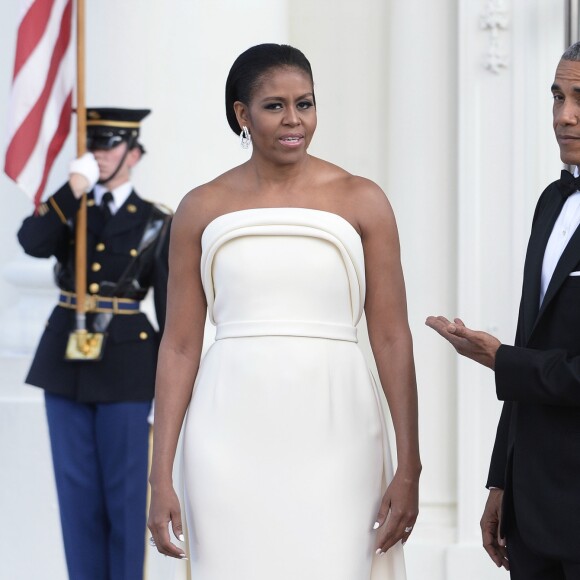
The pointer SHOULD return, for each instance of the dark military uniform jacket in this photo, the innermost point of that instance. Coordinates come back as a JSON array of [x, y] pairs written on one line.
[[126, 256]]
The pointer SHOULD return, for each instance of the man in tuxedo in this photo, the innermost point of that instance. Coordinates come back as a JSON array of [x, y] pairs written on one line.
[[531, 521], [97, 405]]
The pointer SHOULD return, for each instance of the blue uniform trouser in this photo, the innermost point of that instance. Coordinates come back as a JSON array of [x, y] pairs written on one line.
[[99, 453]]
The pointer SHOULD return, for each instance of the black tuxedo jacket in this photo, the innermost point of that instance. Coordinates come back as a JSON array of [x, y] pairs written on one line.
[[536, 457], [132, 247]]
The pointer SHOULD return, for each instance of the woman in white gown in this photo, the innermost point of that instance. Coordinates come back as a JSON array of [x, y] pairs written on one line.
[[286, 460]]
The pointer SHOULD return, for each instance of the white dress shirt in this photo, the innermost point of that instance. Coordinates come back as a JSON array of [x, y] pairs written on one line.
[[120, 195]]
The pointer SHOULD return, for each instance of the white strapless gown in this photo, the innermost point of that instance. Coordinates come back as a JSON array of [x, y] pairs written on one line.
[[285, 449]]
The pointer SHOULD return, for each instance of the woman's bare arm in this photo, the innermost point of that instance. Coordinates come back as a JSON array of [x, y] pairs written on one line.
[[391, 343], [178, 362]]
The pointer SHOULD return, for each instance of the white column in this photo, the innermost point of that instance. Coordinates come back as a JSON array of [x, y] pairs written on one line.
[[421, 99], [345, 42]]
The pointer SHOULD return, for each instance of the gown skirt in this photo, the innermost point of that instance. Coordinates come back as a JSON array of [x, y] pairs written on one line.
[[285, 454]]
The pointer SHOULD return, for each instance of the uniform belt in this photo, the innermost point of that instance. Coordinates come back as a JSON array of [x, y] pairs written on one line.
[[94, 303]]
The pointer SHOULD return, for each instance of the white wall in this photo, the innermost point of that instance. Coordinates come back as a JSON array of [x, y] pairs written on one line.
[[403, 98]]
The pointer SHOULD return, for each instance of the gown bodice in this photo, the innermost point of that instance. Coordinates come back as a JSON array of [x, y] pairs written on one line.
[[283, 271]]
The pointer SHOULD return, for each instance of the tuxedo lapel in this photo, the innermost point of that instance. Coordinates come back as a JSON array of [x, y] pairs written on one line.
[[534, 260], [568, 260]]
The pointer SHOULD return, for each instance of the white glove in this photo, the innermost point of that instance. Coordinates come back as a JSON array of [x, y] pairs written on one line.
[[87, 166]]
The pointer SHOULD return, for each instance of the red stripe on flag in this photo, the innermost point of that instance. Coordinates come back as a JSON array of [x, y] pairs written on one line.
[[30, 31], [55, 146], [25, 138]]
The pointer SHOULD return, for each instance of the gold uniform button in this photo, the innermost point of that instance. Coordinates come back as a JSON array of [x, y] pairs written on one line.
[[94, 288], [90, 203], [100, 247], [143, 336], [133, 252], [131, 208], [95, 267]]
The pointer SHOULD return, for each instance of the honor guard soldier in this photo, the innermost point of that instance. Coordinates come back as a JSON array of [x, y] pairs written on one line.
[[97, 406]]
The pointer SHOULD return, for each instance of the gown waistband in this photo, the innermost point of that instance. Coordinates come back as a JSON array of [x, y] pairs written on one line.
[[302, 328]]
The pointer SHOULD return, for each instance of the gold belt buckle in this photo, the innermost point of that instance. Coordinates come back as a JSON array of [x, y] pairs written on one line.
[[91, 302]]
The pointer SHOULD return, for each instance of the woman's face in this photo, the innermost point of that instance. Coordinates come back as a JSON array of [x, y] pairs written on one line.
[[281, 115]]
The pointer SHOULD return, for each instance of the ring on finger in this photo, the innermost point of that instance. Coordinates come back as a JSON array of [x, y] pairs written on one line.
[[152, 542], [408, 529]]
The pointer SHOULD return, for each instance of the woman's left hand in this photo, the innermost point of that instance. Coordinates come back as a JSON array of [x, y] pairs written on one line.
[[398, 512]]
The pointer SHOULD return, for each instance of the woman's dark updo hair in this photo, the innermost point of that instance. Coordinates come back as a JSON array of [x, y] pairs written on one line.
[[249, 68]]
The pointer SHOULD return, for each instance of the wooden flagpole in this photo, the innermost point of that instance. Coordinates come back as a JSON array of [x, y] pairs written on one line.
[[82, 345], [81, 222]]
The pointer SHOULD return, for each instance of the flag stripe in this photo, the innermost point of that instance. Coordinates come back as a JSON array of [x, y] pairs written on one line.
[[41, 95], [31, 30], [31, 175], [26, 136], [27, 86], [55, 145]]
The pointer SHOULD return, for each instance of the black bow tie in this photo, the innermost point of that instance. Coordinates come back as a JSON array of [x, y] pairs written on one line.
[[568, 184]]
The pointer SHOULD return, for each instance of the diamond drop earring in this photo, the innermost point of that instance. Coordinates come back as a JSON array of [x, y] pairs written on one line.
[[245, 138]]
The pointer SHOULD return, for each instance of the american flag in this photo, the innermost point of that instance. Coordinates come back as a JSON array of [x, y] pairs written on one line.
[[41, 95]]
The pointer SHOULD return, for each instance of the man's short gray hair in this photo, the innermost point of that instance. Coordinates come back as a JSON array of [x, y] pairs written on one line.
[[572, 52]]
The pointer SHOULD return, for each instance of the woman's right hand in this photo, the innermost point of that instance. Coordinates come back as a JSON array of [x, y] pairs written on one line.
[[165, 509]]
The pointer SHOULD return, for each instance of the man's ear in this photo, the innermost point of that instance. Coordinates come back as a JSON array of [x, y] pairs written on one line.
[[241, 112], [134, 156]]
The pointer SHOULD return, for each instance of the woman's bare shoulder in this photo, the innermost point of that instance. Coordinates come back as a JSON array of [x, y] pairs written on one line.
[[368, 203], [342, 181], [358, 199], [354, 191], [326, 171]]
